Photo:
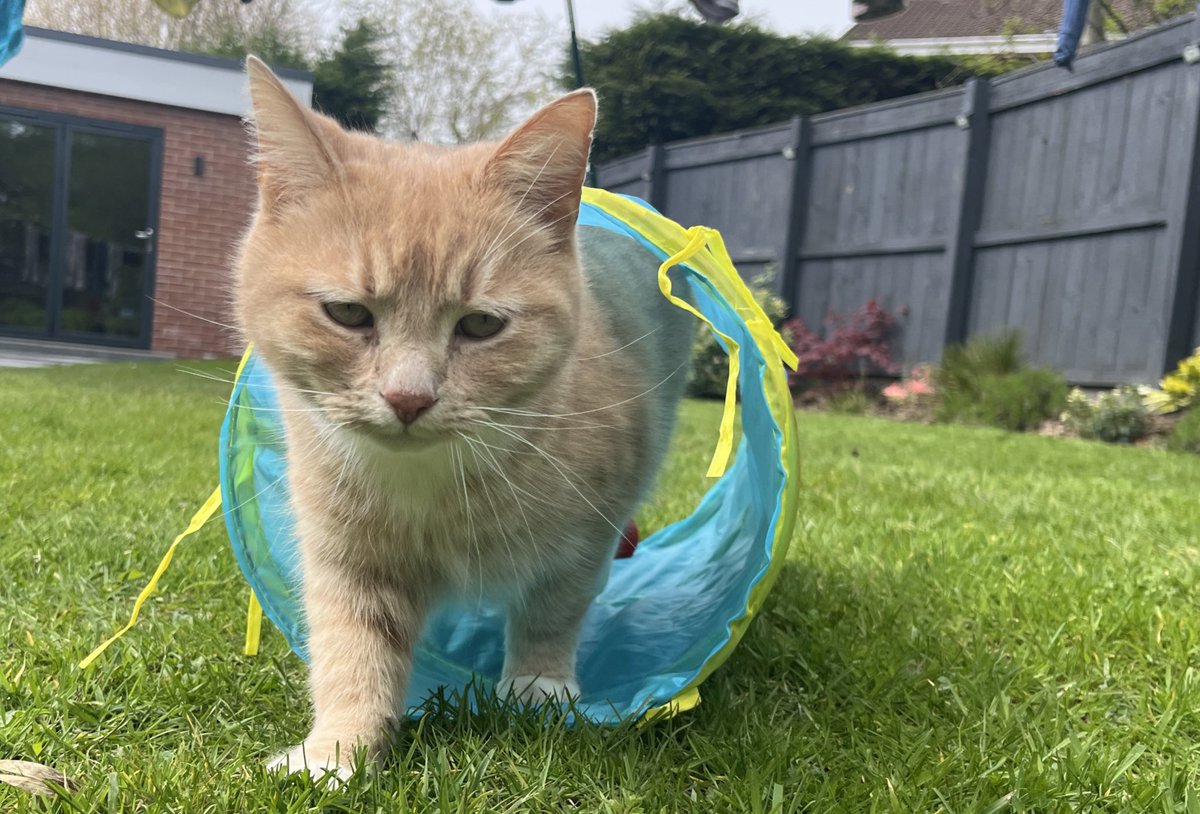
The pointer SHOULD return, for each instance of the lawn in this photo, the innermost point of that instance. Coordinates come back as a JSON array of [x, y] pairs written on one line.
[[969, 621]]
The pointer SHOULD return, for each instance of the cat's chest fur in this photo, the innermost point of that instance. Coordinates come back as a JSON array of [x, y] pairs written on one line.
[[486, 515]]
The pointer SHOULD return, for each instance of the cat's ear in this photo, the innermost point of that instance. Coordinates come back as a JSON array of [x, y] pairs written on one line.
[[297, 148], [543, 163]]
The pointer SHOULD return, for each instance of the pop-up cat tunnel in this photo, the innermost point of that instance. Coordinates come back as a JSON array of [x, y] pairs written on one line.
[[670, 614]]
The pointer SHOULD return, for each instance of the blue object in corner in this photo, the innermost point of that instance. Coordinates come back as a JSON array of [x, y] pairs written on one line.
[[1074, 19], [11, 34]]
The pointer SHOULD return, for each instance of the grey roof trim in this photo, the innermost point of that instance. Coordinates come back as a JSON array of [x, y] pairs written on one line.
[[159, 53]]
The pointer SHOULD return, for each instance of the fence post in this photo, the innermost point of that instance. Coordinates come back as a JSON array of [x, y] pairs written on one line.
[[1185, 245], [965, 214], [799, 152], [655, 177]]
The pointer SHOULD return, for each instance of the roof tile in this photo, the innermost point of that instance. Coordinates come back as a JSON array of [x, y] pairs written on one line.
[[978, 18]]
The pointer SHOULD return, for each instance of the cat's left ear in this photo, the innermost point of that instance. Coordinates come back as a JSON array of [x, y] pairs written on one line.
[[297, 148], [543, 163]]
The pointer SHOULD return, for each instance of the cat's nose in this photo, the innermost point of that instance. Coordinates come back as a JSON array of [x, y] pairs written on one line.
[[408, 405]]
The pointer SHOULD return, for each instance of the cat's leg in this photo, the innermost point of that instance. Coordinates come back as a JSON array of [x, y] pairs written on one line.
[[361, 637], [541, 639]]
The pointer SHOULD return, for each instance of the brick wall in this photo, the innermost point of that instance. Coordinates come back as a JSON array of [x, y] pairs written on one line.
[[200, 218]]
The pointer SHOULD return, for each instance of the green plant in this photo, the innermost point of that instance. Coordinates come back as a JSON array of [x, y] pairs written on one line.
[[853, 346], [710, 364], [1185, 437], [351, 83], [1119, 417], [1077, 413], [1178, 390], [849, 402], [986, 381]]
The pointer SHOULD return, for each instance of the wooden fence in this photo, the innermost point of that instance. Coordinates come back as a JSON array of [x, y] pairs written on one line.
[[1066, 205]]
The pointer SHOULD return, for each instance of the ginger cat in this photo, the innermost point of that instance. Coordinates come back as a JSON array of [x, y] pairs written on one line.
[[476, 392]]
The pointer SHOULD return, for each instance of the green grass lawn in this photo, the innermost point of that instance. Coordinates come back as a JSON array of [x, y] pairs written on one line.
[[969, 621]]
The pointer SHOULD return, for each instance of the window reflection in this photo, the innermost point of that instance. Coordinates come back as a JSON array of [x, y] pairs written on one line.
[[26, 217], [105, 261]]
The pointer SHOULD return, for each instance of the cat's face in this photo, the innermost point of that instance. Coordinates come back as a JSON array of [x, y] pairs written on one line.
[[401, 290]]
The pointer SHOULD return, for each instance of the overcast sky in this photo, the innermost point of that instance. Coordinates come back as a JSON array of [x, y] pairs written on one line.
[[593, 17]]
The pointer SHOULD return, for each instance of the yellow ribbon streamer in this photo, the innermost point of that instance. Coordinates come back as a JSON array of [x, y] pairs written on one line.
[[705, 252], [254, 615], [198, 520], [698, 238]]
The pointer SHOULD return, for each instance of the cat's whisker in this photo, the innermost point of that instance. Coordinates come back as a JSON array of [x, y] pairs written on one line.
[[517, 229], [579, 423], [558, 429], [470, 517], [500, 525], [292, 389], [234, 328], [511, 486], [339, 481], [543, 499], [532, 234], [491, 449], [550, 459], [623, 347], [258, 494], [517, 208], [645, 392], [200, 374], [262, 408]]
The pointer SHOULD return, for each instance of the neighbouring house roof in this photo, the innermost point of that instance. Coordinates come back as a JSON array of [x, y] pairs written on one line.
[[943, 19], [94, 65]]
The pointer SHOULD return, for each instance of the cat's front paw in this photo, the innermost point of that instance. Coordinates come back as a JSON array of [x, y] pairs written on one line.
[[316, 760], [538, 690]]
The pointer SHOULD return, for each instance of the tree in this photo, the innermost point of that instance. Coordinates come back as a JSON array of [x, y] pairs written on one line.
[[666, 78], [352, 84], [460, 75], [1125, 18], [280, 31]]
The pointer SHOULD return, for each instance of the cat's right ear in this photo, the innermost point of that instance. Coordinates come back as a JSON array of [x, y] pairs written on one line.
[[297, 148]]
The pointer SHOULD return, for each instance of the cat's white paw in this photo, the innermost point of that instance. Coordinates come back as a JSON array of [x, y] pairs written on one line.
[[538, 690], [317, 762]]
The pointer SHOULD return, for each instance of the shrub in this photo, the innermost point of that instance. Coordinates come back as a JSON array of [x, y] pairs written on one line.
[[962, 365], [710, 364], [1078, 413], [1119, 417], [1179, 390], [1185, 437], [986, 382], [856, 345]]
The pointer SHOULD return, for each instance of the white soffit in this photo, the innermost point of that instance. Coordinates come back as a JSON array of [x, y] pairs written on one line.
[[999, 44], [93, 65]]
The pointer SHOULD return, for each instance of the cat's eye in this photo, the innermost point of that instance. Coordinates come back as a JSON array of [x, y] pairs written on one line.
[[478, 325], [350, 314]]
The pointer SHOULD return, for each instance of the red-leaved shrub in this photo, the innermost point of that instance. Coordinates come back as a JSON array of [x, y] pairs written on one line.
[[855, 346]]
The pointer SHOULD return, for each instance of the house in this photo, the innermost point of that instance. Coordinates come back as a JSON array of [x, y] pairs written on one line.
[[923, 27], [125, 185]]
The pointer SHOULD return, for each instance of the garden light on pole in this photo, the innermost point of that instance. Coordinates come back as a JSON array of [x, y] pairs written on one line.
[[716, 11]]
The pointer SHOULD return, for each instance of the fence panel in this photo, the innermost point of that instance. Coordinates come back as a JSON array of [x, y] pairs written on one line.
[[1066, 205]]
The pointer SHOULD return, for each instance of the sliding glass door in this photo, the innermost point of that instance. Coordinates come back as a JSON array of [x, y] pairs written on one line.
[[78, 215], [27, 165]]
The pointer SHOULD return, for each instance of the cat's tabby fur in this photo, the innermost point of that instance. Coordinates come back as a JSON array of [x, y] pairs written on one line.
[[430, 454]]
